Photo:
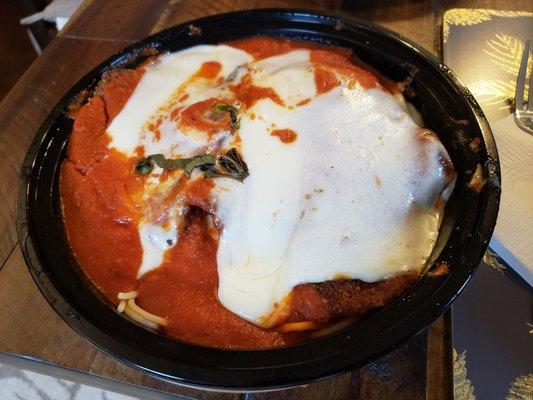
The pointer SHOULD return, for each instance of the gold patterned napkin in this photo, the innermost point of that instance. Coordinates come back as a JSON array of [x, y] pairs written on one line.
[[484, 47]]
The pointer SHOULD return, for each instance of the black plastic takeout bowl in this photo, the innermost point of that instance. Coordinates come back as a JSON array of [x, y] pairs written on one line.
[[447, 108]]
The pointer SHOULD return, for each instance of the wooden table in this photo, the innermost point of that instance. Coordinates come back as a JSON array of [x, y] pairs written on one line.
[[33, 336]]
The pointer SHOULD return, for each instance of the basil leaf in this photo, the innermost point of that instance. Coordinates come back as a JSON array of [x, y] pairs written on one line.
[[228, 165], [234, 164], [145, 165], [235, 120], [199, 161]]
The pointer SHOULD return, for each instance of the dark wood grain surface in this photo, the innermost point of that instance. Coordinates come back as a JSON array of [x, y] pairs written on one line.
[[417, 370]]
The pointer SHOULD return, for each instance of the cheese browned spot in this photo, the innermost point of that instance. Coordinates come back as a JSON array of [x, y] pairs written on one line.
[[325, 301]]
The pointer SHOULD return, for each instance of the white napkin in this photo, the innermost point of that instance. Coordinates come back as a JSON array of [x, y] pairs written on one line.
[[58, 11], [513, 236]]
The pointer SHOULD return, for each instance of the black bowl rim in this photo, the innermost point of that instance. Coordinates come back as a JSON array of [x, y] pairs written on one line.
[[275, 377]]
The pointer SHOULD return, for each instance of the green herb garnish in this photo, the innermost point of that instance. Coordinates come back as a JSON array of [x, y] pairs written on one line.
[[199, 161], [234, 164], [228, 165], [235, 121], [145, 165]]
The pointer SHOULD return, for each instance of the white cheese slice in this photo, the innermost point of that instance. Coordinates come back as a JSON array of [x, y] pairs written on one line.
[[354, 196]]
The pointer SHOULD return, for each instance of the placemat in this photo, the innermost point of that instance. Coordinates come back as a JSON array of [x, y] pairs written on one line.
[[492, 331]]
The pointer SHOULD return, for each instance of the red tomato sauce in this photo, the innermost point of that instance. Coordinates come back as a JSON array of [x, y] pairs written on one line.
[[263, 46], [325, 61], [285, 135], [198, 116], [303, 102], [209, 70], [249, 94], [325, 80], [118, 90], [101, 217], [99, 193], [154, 128], [198, 193]]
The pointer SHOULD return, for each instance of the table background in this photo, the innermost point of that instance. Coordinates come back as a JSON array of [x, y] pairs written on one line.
[[30, 328]]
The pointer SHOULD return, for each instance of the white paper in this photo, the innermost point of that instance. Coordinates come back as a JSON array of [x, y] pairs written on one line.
[[513, 236]]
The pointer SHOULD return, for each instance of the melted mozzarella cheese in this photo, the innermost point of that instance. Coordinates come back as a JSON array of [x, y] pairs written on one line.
[[355, 195], [291, 74]]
